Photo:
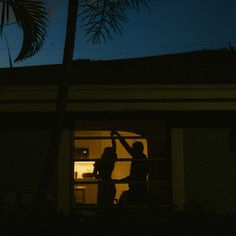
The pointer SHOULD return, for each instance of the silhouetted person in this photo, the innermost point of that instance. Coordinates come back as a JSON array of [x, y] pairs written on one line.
[[102, 171], [137, 193]]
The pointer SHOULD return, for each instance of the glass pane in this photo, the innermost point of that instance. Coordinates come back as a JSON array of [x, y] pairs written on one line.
[[89, 146], [83, 169], [87, 193]]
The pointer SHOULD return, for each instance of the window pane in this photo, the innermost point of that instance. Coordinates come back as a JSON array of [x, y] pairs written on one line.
[[89, 145], [83, 169]]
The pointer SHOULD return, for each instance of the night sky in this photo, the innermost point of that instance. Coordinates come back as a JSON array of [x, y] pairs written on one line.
[[172, 26]]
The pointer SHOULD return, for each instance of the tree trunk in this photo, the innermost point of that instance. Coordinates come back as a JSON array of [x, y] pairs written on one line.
[[46, 185]]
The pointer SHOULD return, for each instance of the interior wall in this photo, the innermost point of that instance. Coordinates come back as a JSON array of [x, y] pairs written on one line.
[[210, 168]]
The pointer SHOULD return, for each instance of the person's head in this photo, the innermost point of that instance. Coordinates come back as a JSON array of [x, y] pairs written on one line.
[[109, 153], [138, 147]]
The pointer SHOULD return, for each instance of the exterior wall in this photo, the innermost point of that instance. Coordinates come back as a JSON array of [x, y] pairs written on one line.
[[177, 164], [209, 168], [22, 152], [64, 175], [207, 176], [105, 98]]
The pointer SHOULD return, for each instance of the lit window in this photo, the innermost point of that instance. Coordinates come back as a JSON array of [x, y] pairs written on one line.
[[88, 147]]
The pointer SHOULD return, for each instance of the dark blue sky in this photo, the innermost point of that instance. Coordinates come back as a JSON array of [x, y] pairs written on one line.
[[172, 26]]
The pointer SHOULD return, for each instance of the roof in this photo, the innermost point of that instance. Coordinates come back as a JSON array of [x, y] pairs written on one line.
[[200, 67]]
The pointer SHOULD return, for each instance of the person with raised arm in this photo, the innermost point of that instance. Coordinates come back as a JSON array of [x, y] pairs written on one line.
[[137, 178], [103, 172]]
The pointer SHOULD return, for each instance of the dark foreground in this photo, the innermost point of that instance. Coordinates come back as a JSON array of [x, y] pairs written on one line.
[[189, 221]]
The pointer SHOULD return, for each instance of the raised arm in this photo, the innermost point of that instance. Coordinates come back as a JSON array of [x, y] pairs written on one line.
[[123, 142], [113, 142]]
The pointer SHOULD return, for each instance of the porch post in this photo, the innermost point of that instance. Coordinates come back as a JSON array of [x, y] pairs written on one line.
[[63, 174], [177, 163]]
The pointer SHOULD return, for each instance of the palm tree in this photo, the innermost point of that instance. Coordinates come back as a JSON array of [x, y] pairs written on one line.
[[99, 19], [32, 17]]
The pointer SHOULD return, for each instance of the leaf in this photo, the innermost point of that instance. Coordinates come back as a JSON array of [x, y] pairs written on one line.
[[32, 17], [8, 51], [100, 18]]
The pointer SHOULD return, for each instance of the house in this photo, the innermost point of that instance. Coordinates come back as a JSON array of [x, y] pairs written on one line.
[[182, 107]]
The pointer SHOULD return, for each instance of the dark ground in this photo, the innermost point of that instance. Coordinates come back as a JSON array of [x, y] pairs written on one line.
[[194, 220]]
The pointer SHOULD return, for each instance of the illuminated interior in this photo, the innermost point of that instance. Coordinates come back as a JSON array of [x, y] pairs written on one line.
[[88, 146], [82, 167]]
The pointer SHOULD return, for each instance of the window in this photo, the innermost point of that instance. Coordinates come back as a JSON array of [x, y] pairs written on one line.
[[88, 147], [92, 143]]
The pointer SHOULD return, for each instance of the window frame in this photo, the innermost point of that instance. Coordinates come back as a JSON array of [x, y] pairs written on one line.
[[149, 182]]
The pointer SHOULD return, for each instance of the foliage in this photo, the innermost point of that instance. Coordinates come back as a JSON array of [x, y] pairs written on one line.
[[32, 17], [100, 18]]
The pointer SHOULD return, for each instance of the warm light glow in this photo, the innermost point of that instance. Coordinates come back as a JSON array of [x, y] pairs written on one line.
[[81, 167], [92, 149]]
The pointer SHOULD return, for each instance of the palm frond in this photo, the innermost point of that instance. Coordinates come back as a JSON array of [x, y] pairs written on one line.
[[32, 17], [8, 51], [134, 4], [100, 18]]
